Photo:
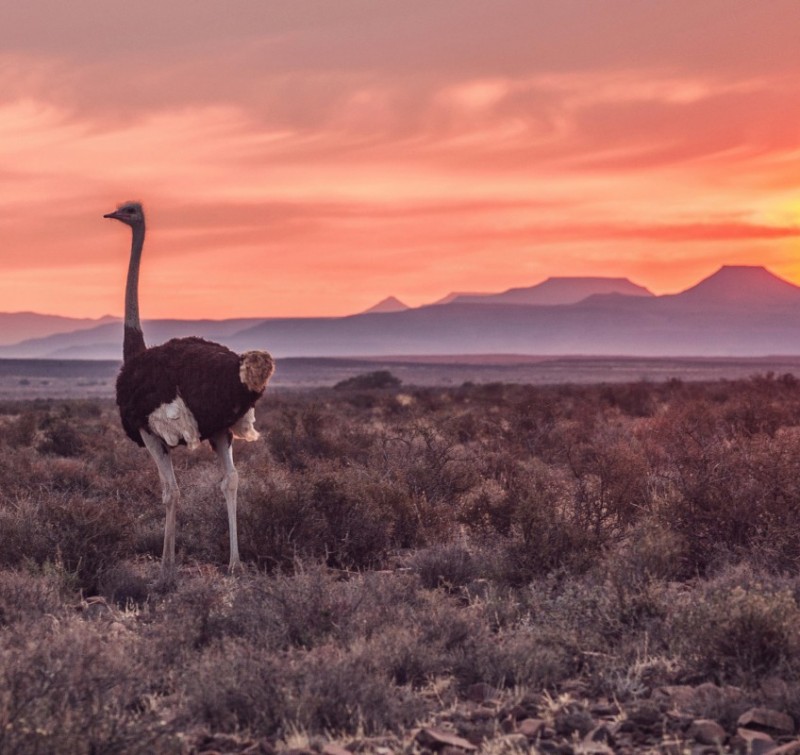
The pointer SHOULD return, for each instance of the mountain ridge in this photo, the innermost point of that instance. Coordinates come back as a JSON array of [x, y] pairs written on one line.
[[736, 311]]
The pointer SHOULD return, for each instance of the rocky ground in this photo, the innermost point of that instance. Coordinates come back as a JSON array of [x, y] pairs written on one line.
[[673, 720]]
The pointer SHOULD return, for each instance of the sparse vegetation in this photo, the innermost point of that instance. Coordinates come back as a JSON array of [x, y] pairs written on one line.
[[457, 557], [376, 380]]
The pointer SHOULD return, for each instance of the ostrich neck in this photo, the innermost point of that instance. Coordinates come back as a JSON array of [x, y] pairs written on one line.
[[133, 342]]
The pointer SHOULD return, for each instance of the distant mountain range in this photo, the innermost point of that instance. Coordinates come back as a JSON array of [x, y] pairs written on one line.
[[18, 326], [737, 311]]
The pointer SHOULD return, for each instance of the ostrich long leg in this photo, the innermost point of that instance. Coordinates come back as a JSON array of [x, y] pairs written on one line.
[[171, 496], [223, 445]]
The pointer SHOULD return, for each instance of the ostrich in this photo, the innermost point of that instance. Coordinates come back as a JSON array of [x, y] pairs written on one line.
[[183, 392]]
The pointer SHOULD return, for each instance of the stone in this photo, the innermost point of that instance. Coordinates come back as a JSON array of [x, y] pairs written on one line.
[[753, 742], [593, 748], [697, 699], [767, 719], [705, 750], [790, 748], [601, 733], [333, 749], [706, 732], [604, 708], [531, 727], [438, 739]]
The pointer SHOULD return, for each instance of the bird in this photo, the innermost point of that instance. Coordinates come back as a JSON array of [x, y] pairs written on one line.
[[183, 392]]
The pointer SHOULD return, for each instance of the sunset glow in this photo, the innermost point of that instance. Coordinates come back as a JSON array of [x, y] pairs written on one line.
[[314, 157]]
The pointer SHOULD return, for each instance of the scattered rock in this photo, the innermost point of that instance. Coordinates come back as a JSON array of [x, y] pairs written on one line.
[[593, 748], [706, 732], [601, 733], [705, 750], [753, 742], [768, 720], [531, 727], [700, 699], [790, 748], [333, 749], [438, 739]]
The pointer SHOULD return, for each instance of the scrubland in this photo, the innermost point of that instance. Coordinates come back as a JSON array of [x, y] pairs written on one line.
[[621, 558]]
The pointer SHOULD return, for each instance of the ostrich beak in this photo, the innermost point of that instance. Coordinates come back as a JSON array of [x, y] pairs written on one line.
[[113, 215]]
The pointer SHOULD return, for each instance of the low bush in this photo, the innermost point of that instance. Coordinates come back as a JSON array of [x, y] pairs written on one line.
[[376, 380], [738, 626], [399, 549]]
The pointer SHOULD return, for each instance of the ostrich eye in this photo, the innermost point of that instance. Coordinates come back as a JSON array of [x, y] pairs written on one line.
[[129, 210]]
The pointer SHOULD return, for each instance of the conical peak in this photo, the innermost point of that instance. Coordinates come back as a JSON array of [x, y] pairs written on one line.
[[742, 283]]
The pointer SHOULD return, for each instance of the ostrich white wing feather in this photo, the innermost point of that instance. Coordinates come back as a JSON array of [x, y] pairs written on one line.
[[245, 428], [174, 422]]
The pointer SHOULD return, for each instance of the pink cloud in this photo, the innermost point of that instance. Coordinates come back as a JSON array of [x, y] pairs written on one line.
[[353, 147]]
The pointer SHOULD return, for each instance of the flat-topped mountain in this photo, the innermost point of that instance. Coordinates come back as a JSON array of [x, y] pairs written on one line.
[[558, 290], [453, 295]]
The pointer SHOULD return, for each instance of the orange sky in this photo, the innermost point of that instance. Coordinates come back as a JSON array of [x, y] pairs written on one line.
[[313, 157]]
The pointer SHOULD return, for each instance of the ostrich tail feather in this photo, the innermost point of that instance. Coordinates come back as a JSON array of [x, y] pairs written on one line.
[[255, 369]]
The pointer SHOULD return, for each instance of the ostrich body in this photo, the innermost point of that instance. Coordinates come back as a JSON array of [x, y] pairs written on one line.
[[184, 391]]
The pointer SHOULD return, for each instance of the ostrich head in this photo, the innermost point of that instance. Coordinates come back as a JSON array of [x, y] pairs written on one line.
[[130, 213]]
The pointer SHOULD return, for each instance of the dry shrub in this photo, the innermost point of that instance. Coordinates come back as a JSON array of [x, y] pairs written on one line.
[[350, 691], [299, 434], [20, 430], [369, 381], [28, 596], [233, 687], [125, 584], [303, 609], [546, 531], [635, 576], [727, 495], [66, 687], [351, 520], [432, 464], [82, 535], [192, 617], [450, 566], [61, 438], [738, 626]]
